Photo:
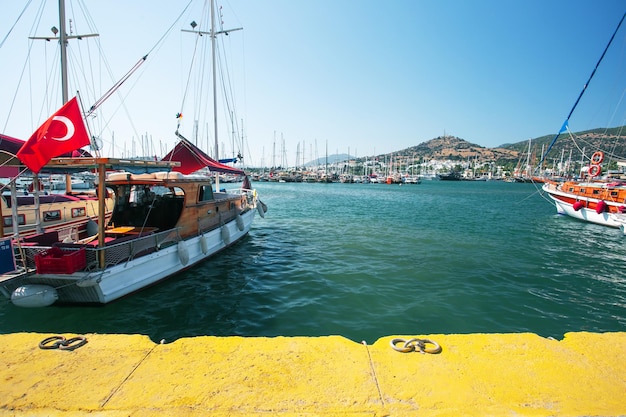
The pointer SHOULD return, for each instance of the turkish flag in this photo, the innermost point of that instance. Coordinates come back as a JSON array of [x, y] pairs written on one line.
[[63, 132]]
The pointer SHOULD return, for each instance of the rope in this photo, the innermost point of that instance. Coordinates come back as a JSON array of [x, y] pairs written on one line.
[[107, 399]]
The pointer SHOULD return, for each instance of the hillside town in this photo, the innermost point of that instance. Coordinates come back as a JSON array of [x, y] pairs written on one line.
[[452, 158]]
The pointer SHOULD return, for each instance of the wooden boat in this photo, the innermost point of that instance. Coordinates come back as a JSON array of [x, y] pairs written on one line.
[[163, 222], [600, 202], [593, 199], [166, 218]]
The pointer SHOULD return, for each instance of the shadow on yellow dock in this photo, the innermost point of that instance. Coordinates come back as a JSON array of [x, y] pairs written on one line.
[[474, 375]]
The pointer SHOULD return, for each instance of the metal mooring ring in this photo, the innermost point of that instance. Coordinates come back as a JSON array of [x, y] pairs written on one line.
[[73, 343], [58, 341], [61, 343], [415, 344]]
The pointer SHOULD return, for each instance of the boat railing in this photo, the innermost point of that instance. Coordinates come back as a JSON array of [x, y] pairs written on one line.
[[249, 194], [122, 250], [115, 252]]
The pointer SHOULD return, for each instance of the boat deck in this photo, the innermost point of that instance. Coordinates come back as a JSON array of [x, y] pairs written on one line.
[[475, 374]]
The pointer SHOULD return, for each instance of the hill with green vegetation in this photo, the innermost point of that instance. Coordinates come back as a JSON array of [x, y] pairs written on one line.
[[569, 145]]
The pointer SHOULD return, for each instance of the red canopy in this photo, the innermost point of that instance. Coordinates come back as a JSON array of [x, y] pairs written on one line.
[[192, 159]]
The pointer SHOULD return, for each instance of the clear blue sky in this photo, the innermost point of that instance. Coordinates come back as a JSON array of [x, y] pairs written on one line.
[[366, 77]]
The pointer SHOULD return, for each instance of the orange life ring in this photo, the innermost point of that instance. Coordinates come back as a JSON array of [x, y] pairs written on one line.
[[594, 170], [597, 157]]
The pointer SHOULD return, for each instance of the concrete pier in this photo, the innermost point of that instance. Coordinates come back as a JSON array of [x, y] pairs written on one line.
[[474, 375]]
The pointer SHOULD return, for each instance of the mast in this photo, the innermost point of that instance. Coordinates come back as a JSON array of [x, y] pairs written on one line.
[[63, 38], [63, 45], [213, 34], [63, 41]]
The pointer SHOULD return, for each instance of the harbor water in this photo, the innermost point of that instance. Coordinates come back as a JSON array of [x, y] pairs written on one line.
[[370, 260]]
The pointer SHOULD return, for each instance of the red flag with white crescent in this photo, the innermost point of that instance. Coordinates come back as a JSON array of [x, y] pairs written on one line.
[[63, 132]]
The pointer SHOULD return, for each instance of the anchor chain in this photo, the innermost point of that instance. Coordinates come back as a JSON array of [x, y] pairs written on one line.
[[415, 344], [61, 343]]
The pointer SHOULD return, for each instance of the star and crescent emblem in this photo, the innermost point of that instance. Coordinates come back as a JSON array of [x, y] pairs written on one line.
[[68, 125]]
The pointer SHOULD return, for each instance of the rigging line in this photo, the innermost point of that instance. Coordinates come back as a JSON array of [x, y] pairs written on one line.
[[19, 83], [87, 63], [116, 86], [229, 94], [182, 104], [15, 23], [26, 65], [170, 28], [582, 92], [610, 154], [91, 137]]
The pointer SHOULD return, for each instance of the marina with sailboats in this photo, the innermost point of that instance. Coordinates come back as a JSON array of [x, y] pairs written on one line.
[[150, 182], [178, 262]]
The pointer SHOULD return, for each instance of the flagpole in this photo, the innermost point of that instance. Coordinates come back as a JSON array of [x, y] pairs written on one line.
[[92, 144]]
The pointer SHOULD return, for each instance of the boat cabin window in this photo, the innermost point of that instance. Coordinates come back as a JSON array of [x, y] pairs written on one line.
[[147, 205], [206, 193], [79, 212], [8, 220], [52, 215]]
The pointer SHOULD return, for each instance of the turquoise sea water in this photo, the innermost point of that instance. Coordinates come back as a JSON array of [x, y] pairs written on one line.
[[371, 260]]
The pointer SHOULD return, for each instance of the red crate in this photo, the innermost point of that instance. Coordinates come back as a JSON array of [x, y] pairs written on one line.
[[57, 261]]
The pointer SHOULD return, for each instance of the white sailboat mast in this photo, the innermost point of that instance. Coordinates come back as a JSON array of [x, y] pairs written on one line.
[[213, 35], [63, 45]]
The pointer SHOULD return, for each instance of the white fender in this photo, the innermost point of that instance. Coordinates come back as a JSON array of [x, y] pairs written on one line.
[[225, 235], [183, 253], [261, 208], [239, 220], [34, 295], [204, 244]]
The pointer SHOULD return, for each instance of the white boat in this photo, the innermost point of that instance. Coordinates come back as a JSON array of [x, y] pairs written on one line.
[[592, 199], [599, 202], [162, 223], [59, 182], [166, 218]]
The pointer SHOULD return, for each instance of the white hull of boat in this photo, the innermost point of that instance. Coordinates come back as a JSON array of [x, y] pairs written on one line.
[[101, 287], [142, 272], [584, 213]]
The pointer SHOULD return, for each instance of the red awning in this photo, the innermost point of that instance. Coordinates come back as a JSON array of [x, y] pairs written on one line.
[[192, 159], [9, 144]]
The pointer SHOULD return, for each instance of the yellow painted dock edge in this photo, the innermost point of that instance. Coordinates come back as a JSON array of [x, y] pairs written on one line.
[[475, 375]]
